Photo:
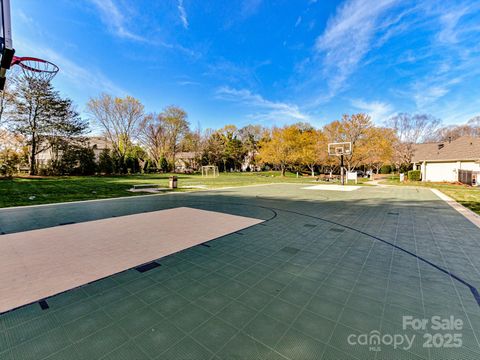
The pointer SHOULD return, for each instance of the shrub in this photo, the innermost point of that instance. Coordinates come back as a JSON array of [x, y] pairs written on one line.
[[105, 162], [414, 175], [385, 169]]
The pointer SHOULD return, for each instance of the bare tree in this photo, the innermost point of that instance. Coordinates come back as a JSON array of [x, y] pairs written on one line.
[[174, 120], [153, 137], [119, 118], [411, 130]]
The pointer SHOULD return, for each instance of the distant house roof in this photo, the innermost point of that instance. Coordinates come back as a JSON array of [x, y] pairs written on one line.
[[185, 155], [463, 148]]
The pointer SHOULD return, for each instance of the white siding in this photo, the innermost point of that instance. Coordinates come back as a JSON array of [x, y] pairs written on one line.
[[447, 171]]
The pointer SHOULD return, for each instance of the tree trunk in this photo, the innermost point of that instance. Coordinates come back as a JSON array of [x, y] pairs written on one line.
[[33, 167], [283, 170]]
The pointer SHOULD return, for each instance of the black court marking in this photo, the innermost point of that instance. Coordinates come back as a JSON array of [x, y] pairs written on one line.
[[310, 225], [336, 230], [206, 245], [392, 213], [43, 304], [67, 223], [147, 267], [290, 250], [472, 288]]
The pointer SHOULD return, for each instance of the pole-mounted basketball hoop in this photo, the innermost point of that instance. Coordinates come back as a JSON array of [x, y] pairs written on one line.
[[33, 68], [340, 149]]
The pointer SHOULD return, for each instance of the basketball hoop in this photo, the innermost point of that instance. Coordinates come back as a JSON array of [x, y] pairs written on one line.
[[37, 69], [340, 149]]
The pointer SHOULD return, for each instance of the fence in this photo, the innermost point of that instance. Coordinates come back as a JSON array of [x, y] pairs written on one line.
[[465, 176]]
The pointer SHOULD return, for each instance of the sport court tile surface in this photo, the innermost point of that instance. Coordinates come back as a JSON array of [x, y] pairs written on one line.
[[322, 267]]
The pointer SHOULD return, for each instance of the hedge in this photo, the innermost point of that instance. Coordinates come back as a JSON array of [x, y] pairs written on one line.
[[414, 175]]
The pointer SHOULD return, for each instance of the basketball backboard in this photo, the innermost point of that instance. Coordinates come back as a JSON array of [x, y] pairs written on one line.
[[6, 44], [339, 148]]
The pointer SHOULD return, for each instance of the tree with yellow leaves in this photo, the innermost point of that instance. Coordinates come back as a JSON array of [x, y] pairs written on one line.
[[282, 148]]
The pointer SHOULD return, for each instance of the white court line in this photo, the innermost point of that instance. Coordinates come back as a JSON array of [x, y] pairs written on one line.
[[467, 213]]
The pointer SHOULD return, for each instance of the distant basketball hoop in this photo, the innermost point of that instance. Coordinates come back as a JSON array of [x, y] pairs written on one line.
[[340, 149]]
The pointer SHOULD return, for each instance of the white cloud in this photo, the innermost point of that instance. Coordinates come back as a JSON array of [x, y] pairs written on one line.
[[377, 110], [77, 75], [114, 18], [183, 14], [264, 109], [348, 37], [299, 21]]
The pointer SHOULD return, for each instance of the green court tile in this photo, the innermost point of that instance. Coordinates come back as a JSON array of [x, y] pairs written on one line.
[[232, 288], [157, 339], [126, 276], [333, 294], [190, 317], [231, 270], [359, 320], [295, 345], [331, 353], [295, 296], [67, 298], [21, 315], [315, 326], [339, 340], [138, 320], [170, 304], [99, 286], [282, 310], [248, 277], [138, 284], [270, 286], [214, 279], [177, 282], [324, 307], [75, 310], [87, 325], [398, 354], [31, 329], [110, 296], [187, 349], [214, 334], [304, 284], [366, 305], [213, 302], [243, 347], [100, 343], [42, 346], [153, 293], [193, 291], [265, 329], [123, 307], [127, 351], [255, 299], [3, 341], [237, 314]]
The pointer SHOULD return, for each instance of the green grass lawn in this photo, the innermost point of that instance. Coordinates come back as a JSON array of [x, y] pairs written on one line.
[[33, 191], [466, 195]]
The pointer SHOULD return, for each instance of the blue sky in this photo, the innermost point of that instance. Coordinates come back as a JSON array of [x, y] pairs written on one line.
[[265, 62]]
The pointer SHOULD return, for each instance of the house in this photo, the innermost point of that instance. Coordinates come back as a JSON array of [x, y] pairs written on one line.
[[186, 162], [442, 162], [98, 144]]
